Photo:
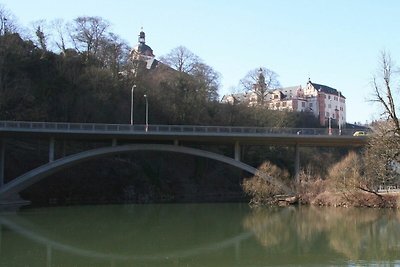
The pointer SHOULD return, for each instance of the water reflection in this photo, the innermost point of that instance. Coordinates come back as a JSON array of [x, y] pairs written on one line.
[[354, 234], [159, 234], [198, 235]]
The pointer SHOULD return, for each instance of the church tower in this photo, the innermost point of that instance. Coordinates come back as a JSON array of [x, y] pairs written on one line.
[[143, 52]]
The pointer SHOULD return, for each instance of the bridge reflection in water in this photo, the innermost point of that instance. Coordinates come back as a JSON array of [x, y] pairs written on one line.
[[133, 234], [199, 235]]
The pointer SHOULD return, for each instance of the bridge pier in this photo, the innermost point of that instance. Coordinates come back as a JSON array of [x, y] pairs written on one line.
[[51, 149], [237, 151], [296, 163], [64, 148]]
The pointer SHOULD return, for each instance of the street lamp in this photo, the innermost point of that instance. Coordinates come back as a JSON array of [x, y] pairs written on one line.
[[147, 113], [340, 125], [329, 119], [133, 88]]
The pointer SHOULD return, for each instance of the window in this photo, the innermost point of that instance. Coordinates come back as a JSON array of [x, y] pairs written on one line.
[[303, 104], [310, 105]]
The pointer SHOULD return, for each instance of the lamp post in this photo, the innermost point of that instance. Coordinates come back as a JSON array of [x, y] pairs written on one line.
[[329, 119], [133, 89], [147, 113], [340, 125]]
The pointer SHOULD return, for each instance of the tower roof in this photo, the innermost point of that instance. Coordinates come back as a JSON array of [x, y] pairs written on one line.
[[142, 50]]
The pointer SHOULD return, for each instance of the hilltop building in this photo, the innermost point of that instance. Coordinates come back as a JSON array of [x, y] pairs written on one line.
[[143, 52], [324, 102]]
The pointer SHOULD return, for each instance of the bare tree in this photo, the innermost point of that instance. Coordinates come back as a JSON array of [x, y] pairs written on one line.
[[181, 59], [113, 53], [185, 61], [208, 79], [87, 34], [382, 156], [383, 90], [8, 22], [61, 40], [260, 81], [41, 37]]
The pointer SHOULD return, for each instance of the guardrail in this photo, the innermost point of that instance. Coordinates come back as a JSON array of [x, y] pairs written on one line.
[[139, 128]]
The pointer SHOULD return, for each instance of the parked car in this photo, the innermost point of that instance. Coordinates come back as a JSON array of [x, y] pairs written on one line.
[[359, 133]]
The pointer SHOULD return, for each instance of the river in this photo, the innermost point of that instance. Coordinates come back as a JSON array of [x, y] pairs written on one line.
[[198, 235]]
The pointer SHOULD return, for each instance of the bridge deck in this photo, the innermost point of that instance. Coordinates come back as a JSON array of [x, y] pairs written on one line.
[[217, 134]]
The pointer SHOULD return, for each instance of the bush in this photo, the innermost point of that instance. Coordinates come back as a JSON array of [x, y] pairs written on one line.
[[263, 190], [345, 176]]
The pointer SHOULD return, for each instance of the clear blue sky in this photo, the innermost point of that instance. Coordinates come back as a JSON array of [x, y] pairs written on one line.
[[335, 43]]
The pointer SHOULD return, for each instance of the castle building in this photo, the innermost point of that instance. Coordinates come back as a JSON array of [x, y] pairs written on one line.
[[326, 103]]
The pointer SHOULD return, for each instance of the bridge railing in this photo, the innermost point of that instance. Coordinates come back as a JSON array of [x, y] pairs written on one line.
[[139, 128]]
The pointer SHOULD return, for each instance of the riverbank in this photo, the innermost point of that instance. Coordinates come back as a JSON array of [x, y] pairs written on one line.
[[345, 185], [320, 193]]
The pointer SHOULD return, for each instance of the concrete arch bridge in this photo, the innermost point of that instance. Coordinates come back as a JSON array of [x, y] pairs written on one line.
[[167, 138]]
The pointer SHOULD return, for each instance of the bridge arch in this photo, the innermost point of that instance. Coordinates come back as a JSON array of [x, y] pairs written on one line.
[[23, 181]]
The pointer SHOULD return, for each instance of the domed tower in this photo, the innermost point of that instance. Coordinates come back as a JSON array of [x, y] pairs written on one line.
[[142, 51], [260, 87]]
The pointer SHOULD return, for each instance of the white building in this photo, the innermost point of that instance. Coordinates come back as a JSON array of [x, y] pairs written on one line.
[[324, 102]]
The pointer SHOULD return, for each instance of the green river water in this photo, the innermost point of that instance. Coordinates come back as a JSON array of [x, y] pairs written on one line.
[[198, 235]]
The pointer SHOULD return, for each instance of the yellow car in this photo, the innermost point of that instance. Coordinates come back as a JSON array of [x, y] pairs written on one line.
[[360, 133]]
